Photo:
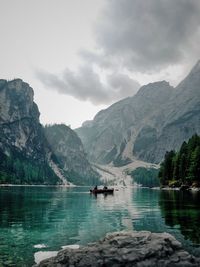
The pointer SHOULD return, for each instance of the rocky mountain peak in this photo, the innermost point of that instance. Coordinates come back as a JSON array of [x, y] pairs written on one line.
[[37, 155], [87, 123], [155, 89], [16, 101], [196, 68], [155, 120], [192, 80]]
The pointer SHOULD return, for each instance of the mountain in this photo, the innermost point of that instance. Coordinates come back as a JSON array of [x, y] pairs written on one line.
[[23, 146], [28, 152], [155, 120], [182, 117], [68, 149]]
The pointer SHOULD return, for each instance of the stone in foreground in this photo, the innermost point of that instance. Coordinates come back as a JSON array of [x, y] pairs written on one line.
[[141, 249]]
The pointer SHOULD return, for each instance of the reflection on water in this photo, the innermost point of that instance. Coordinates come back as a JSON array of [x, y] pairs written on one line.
[[38, 215], [181, 210], [34, 219]]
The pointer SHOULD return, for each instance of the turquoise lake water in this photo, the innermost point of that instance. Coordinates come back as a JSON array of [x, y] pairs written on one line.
[[54, 217]]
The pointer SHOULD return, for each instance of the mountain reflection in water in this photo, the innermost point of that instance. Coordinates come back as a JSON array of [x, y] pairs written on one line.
[[181, 209], [34, 219]]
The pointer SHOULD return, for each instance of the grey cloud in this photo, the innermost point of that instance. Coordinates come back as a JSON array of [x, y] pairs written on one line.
[[85, 84], [122, 84], [136, 35], [98, 58], [147, 35]]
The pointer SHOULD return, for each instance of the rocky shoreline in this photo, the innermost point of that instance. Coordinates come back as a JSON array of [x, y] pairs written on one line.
[[141, 249], [181, 188]]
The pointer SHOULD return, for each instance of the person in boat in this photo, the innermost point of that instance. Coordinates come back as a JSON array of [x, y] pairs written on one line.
[[95, 188], [105, 187]]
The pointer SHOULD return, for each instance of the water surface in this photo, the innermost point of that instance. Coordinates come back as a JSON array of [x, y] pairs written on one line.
[[36, 219]]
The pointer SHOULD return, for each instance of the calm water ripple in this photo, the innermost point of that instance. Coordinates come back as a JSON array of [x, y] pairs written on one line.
[[36, 219]]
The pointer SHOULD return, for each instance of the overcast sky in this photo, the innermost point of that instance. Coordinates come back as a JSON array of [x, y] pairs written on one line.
[[82, 55]]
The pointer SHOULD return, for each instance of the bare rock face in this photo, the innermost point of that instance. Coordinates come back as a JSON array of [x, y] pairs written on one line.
[[24, 150], [20, 129], [31, 154], [68, 149], [140, 249], [155, 120]]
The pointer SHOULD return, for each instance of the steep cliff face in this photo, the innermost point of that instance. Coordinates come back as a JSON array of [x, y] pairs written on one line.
[[31, 154], [158, 118], [70, 155], [24, 150], [180, 121], [111, 135], [19, 120]]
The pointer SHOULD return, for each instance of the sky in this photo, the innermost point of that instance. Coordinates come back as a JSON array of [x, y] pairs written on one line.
[[80, 56]]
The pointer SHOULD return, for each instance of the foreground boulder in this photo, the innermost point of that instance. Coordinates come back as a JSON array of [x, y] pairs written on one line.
[[126, 249]]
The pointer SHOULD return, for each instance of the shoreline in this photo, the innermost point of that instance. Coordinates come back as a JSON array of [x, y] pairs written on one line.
[[36, 185], [165, 188], [189, 189]]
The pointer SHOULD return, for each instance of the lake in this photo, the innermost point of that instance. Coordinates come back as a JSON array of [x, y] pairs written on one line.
[[51, 217]]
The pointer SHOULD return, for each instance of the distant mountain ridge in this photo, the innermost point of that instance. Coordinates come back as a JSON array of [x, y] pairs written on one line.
[[68, 149], [26, 154], [155, 120]]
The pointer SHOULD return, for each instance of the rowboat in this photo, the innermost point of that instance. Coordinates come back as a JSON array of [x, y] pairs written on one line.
[[102, 191]]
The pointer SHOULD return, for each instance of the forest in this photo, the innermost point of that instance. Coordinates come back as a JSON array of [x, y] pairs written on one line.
[[17, 169], [147, 177], [182, 167]]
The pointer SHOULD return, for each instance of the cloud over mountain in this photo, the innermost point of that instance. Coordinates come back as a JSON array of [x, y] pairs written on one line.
[[148, 35], [85, 84], [132, 36]]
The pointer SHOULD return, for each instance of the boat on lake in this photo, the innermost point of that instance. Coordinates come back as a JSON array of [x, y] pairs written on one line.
[[102, 191]]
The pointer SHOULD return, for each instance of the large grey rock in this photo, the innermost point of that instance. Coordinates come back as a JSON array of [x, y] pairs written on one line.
[[155, 120], [141, 249]]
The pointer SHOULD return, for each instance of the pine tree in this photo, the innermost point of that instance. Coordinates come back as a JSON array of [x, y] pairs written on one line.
[[182, 166]]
